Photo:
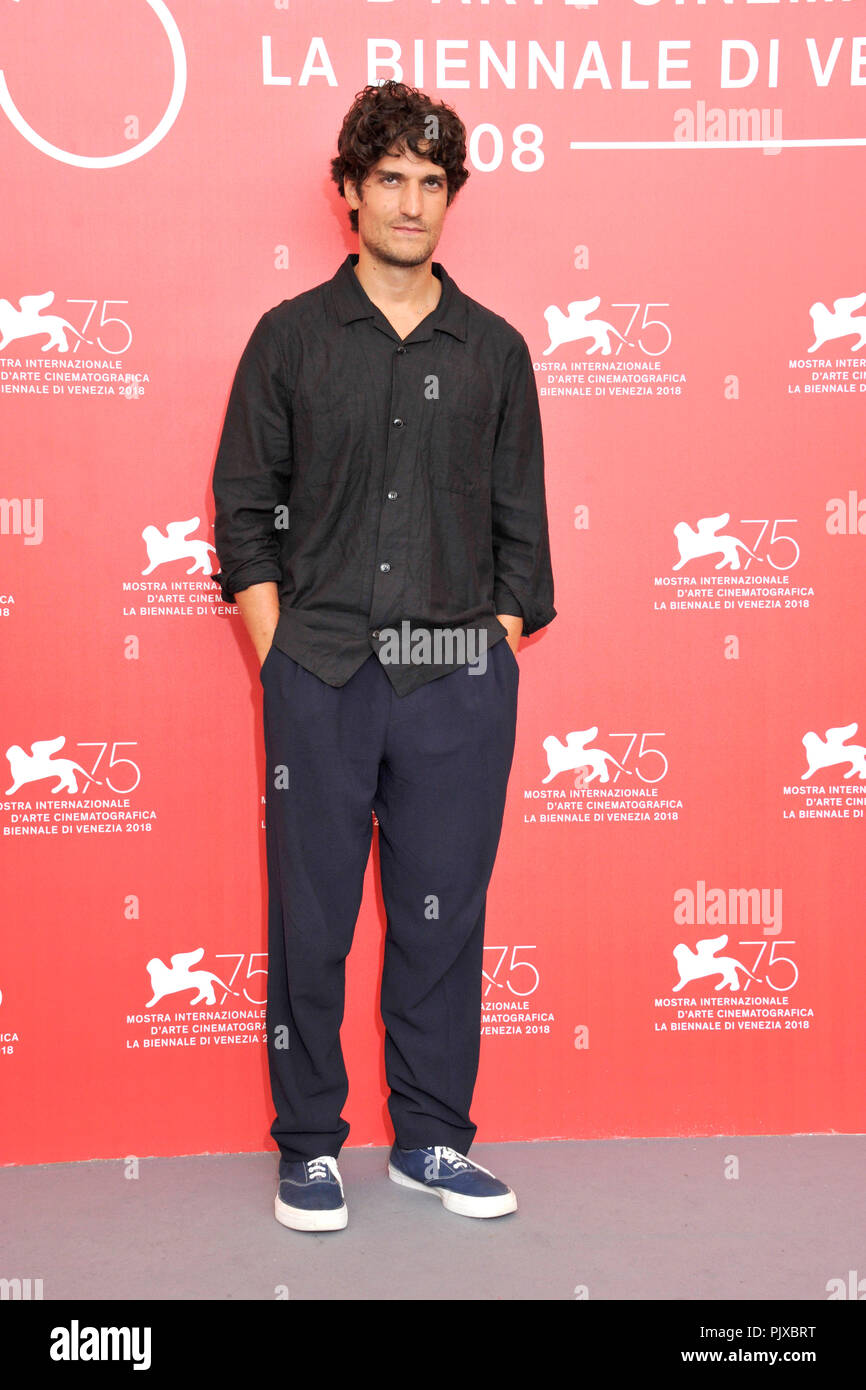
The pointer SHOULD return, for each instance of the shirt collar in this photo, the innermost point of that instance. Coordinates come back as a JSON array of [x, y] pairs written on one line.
[[352, 301]]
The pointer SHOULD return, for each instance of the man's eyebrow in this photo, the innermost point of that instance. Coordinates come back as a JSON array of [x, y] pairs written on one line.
[[397, 174]]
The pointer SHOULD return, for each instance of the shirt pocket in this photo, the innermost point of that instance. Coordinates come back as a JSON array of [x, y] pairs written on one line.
[[460, 447]]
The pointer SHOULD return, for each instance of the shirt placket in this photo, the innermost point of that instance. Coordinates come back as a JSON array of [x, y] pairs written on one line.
[[390, 560]]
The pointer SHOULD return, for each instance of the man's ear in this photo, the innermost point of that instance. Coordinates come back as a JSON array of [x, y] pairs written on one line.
[[347, 182]]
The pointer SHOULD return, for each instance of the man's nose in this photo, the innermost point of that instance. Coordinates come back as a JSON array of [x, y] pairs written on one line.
[[410, 203]]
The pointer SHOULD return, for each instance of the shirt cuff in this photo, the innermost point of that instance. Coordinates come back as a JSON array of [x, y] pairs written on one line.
[[244, 579], [540, 618]]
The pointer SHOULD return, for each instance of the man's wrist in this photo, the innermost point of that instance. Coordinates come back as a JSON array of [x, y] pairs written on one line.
[[259, 605], [513, 625]]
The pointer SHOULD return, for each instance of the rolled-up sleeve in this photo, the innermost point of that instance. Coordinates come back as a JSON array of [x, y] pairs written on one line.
[[253, 466], [523, 578]]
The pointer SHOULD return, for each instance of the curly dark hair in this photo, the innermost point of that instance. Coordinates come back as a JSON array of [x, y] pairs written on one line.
[[394, 115]]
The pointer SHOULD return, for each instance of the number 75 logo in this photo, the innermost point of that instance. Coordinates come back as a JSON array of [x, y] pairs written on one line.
[[520, 984]]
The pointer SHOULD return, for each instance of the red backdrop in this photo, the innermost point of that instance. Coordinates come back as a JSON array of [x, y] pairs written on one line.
[[695, 308]]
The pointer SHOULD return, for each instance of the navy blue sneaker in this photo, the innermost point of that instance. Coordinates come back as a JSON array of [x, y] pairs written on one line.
[[310, 1197], [462, 1186]]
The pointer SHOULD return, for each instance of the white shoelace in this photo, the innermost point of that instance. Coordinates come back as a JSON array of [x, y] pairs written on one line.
[[319, 1167], [457, 1160]]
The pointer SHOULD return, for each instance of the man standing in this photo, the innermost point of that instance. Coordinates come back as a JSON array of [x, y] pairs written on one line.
[[381, 523]]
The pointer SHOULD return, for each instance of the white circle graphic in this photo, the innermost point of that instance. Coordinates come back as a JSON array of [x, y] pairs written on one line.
[[108, 161]]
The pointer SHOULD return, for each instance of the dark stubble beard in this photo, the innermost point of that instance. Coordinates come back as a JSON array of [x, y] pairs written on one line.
[[383, 253]]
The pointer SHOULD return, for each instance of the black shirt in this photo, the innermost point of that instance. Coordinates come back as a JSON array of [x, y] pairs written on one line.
[[380, 480]]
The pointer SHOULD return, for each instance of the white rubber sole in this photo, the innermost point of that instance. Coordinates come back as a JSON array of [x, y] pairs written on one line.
[[299, 1220], [458, 1202]]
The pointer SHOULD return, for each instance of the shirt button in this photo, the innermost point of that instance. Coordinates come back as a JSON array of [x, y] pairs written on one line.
[[391, 496], [401, 349], [385, 568], [398, 421]]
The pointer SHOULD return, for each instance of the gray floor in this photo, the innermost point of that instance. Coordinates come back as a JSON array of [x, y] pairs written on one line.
[[622, 1219]]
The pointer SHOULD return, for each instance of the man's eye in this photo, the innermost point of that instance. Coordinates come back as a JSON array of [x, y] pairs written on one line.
[[432, 181]]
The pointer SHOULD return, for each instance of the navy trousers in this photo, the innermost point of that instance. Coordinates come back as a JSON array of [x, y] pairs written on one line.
[[434, 765]]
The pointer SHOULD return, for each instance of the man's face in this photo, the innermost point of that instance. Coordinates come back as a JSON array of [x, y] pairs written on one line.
[[402, 206]]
